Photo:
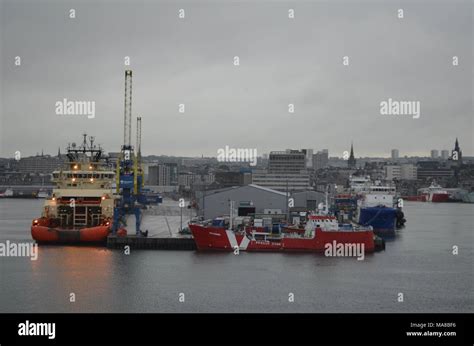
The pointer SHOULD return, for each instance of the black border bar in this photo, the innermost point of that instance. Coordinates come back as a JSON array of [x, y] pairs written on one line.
[[209, 329]]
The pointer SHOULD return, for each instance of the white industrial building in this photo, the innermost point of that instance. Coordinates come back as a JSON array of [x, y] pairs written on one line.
[[248, 199], [254, 199], [308, 200]]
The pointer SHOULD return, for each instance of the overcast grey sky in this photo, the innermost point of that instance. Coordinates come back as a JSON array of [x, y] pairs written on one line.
[[282, 61]]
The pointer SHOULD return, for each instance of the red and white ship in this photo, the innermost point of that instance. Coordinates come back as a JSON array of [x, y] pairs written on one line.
[[435, 193], [318, 231]]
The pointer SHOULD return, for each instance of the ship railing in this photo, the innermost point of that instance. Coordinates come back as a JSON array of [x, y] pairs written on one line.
[[65, 220], [358, 228], [80, 219], [96, 219]]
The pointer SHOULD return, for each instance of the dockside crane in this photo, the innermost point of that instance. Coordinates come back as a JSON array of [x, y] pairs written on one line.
[[139, 138], [139, 152], [129, 174]]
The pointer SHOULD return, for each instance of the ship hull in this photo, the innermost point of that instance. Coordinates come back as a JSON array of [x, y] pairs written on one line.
[[218, 238], [418, 198], [44, 234], [383, 220], [439, 197], [27, 196], [435, 197]]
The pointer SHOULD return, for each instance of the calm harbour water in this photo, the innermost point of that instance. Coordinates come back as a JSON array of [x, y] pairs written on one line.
[[418, 263]]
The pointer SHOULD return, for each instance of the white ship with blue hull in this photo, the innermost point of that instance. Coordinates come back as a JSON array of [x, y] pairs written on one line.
[[377, 206]]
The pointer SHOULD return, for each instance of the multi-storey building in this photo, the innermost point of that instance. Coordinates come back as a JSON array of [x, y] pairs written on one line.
[[288, 161], [282, 181], [395, 154], [321, 159]]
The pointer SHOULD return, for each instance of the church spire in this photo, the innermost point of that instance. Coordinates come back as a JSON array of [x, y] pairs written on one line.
[[457, 153], [351, 163]]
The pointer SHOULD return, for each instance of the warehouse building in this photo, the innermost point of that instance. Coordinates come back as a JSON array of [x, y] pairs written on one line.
[[308, 200], [249, 199]]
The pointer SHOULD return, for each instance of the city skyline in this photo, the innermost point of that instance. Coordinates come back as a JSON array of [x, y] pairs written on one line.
[[387, 155]]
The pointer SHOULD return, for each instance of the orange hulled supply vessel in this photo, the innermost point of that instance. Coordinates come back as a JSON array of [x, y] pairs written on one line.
[[80, 208]]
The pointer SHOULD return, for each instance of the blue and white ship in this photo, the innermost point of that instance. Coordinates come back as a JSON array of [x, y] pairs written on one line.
[[377, 206]]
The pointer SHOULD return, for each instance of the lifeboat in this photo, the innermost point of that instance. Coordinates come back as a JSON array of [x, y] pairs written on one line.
[[44, 232]]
